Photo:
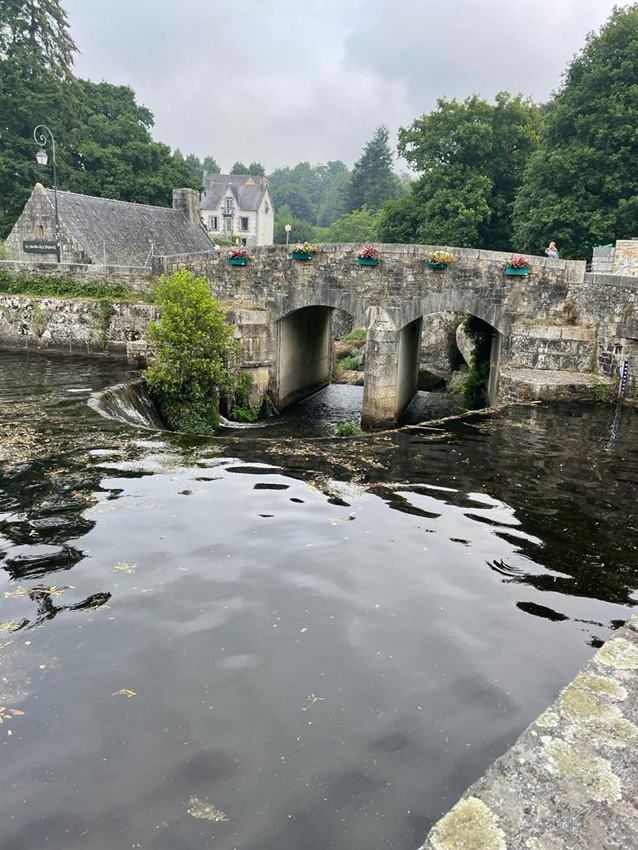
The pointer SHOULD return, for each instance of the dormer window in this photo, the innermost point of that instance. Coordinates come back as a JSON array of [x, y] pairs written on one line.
[[229, 206]]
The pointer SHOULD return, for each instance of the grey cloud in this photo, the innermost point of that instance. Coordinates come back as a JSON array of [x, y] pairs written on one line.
[[282, 81]]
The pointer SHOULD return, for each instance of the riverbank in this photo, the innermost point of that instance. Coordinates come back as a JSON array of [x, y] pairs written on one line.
[[571, 779]]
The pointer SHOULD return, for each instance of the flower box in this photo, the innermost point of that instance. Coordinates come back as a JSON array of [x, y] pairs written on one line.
[[517, 272], [301, 255], [439, 267], [368, 261], [236, 261]]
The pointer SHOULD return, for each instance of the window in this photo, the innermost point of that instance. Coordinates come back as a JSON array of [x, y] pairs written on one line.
[[40, 232], [243, 224], [212, 222], [228, 225], [243, 242], [229, 205]]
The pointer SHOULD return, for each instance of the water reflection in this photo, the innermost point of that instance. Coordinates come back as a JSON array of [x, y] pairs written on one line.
[[324, 640]]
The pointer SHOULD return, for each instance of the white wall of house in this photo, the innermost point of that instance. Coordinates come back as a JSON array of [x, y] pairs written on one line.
[[253, 227]]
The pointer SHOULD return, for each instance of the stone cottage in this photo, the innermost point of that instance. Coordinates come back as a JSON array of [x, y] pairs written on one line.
[[108, 232], [239, 206]]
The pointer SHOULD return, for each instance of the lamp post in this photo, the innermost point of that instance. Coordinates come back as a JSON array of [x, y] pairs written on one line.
[[287, 228], [40, 136]]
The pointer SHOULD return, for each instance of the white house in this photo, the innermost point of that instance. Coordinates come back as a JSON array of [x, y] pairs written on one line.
[[238, 205]]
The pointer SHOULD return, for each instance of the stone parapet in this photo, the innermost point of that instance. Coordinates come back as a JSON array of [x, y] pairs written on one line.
[[570, 782]]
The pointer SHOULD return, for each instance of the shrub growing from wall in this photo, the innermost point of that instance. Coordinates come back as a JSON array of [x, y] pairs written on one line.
[[194, 354]]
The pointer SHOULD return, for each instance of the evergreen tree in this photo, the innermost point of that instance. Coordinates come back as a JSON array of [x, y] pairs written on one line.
[[239, 168], [194, 164], [211, 165], [256, 169], [373, 182], [581, 187]]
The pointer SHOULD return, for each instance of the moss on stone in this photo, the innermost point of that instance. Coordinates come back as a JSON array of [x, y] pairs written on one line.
[[548, 720], [470, 825], [618, 653], [584, 705], [595, 774], [600, 685]]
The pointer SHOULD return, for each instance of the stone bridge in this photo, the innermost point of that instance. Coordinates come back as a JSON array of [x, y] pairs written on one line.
[[557, 318]]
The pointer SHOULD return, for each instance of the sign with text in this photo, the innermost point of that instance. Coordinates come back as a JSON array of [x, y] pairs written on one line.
[[39, 246]]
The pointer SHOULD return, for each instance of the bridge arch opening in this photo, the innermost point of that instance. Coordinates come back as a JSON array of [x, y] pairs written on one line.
[[305, 353]]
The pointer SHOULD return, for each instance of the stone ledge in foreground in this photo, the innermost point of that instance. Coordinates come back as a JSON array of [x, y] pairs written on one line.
[[570, 782]]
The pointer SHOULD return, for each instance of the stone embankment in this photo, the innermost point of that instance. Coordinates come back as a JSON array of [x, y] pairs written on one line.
[[570, 782]]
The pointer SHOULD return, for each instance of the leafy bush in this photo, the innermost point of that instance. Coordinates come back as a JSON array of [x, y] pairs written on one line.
[[349, 363], [65, 287], [604, 393], [194, 354], [239, 400], [245, 414], [357, 334], [348, 429], [4, 251], [475, 384]]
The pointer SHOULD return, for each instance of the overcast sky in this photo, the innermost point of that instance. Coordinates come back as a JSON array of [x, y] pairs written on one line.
[[283, 81]]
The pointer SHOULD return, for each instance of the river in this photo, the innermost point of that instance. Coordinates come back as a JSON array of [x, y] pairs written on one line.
[[269, 640]]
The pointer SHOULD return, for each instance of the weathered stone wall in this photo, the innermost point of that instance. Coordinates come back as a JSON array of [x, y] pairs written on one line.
[[557, 347], [61, 324], [132, 278], [570, 782]]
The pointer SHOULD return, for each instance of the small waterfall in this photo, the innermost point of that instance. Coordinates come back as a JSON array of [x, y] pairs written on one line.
[[130, 403]]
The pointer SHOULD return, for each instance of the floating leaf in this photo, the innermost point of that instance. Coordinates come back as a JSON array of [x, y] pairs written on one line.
[[125, 692], [205, 810], [313, 699], [125, 568]]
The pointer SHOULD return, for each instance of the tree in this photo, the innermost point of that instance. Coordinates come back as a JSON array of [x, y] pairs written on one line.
[[194, 351], [472, 157], [581, 187], [323, 186], [194, 165], [256, 169], [239, 168], [302, 231], [113, 155], [357, 226], [36, 86], [373, 182], [211, 165], [293, 196]]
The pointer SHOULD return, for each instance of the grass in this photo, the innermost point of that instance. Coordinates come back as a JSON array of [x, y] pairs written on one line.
[[357, 334], [66, 287], [348, 429], [350, 363]]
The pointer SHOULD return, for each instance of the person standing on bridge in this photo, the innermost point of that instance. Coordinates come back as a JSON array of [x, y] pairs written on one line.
[[552, 251]]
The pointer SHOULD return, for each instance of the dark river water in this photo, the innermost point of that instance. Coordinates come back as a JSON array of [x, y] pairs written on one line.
[[265, 642]]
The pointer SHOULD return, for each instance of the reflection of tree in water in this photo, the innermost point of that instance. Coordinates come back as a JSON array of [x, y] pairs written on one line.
[[47, 610]]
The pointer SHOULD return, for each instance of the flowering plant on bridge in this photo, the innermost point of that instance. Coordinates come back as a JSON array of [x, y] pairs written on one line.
[[368, 256], [303, 251], [517, 265], [237, 257], [440, 259]]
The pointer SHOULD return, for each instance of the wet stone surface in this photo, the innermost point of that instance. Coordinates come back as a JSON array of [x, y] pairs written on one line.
[[326, 661]]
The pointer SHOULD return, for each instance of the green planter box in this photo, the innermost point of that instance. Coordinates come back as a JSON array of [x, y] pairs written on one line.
[[236, 261], [301, 255], [439, 267], [517, 272], [368, 261]]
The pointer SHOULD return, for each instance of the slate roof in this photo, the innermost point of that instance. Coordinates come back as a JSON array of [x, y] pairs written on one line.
[[125, 230], [247, 197]]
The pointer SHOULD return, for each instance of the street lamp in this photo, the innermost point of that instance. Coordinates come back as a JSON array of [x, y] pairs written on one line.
[[287, 228], [40, 136]]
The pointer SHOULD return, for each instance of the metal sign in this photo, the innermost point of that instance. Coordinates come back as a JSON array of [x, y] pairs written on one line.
[[624, 374], [39, 246]]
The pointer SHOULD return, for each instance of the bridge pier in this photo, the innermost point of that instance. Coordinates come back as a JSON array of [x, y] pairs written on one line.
[[392, 368]]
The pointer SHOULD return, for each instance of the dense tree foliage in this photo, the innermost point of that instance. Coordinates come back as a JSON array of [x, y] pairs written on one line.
[[239, 168], [256, 169], [373, 181], [357, 226], [302, 231], [104, 141], [197, 167], [194, 354], [581, 187], [472, 157]]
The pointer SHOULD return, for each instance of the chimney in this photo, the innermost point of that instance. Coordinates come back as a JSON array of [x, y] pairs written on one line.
[[187, 202]]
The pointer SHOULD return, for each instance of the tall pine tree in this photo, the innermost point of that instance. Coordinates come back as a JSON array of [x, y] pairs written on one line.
[[372, 181]]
